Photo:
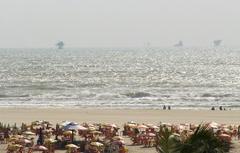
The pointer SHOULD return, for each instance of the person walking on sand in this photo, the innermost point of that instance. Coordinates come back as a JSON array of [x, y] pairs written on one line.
[[164, 107]]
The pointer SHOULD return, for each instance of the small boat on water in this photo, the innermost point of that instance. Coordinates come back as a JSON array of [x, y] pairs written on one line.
[[179, 44], [60, 45], [217, 43]]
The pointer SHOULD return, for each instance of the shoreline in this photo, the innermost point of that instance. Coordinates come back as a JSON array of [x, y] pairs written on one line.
[[228, 108], [118, 116]]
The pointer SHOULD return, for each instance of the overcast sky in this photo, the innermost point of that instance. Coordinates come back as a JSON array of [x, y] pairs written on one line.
[[113, 23]]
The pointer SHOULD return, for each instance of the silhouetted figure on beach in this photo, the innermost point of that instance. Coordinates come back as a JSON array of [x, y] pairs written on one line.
[[136, 131], [221, 108], [169, 107], [238, 132], [213, 108], [164, 107], [40, 137]]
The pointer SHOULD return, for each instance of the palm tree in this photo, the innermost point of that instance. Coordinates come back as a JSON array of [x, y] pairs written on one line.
[[203, 140], [167, 142]]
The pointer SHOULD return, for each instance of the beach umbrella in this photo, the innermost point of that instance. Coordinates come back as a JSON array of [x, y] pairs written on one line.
[[17, 136], [132, 122], [47, 131], [117, 138], [151, 134], [50, 141], [119, 142], [87, 125], [26, 141], [226, 130], [13, 139], [213, 124], [112, 125], [64, 123], [28, 133], [225, 137], [72, 146], [16, 146], [91, 128], [153, 126], [40, 122], [40, 148], [142, 126], [68, 132], [166, 124], [97, 144], [82, 128], [74, 126], [96, 132], [37, 127], [132, 125], [36, 123]]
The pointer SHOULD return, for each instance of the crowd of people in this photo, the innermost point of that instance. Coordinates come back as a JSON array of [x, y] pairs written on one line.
[[75, 138], [96, 138]]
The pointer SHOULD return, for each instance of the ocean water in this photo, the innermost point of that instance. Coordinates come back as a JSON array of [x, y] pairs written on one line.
[[194, 78]]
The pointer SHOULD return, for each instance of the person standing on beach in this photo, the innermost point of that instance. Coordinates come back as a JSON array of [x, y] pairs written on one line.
[[164, 107], [238, 132]]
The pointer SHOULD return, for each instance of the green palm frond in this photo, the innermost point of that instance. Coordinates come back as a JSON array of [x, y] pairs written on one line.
[[167, 142], [203, 141]]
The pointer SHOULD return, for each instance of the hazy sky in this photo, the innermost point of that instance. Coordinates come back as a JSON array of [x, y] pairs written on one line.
[[102, 23]]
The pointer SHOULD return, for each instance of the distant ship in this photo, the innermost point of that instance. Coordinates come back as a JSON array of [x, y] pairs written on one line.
[[60, 45], [217, 43], [179, 44]]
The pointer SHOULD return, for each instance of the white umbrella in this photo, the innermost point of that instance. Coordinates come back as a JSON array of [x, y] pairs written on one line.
[[71, 146], [98, 144], [142, 126], [26, 141], [74, 126], [64, 123], [28, 133], [40, 148], [151, 134]]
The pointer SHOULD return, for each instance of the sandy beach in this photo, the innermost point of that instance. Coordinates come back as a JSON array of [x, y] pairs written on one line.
[[119, 117]]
